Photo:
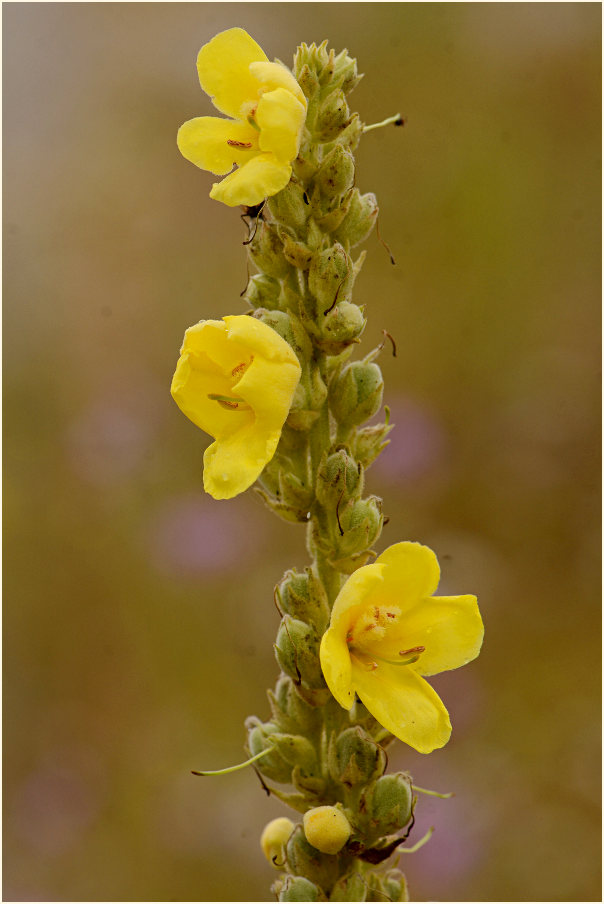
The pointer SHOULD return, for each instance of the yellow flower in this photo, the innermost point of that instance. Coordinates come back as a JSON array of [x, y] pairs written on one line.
[[387, 630], [268, 110], [235, 379]]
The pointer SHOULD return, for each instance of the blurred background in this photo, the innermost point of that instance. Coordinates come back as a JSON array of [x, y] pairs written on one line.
[[138, 612]]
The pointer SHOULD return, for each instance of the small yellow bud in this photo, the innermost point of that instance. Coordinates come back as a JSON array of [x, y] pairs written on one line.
[[327, 829], [274, 838]]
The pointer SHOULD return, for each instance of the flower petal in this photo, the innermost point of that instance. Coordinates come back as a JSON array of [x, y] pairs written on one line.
[[231, 465], [352, 598], [259, 338], [451, 630], [337, 667], [405, 704], [276, 75], [411, 573], [280, 117], [223, 65], [261, 178], [205, 142], [195, 378]]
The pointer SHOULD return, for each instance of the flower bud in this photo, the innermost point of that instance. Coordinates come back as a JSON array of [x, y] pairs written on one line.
[[302, 596], [297, 254], [351, 887], [295, 750], [289, 328], [360, 524], [341, 327], [260, 738], [266, 251], [293, 492], [336, 174], [350, 136], [330, 277], [327, 829], [332, 117], [369, 442], [263, 291], [395, 885], [297, 888], [304, 858], [345, 74], [297, 651], [359, 220], [289, 711], [308, 81], [390, 803], [339, 479], [358, 759], [357, 393], [274, 838], [288, 206]]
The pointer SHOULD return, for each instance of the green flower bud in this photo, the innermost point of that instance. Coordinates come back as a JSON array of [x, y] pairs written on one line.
[[312, 57], [389, 806], [296, 750], [330, 277], [288, 206], [266, 251], [359, 526], [297, 254], [395, 885], [290, 513], [369, 442], [303, 597], [297, 651], [327, 829], [289, 328], [359, 220], [351, 135], [357, 393], [293, 492], [333, 116], [297, 888], [336, 174], [339, 479], [341, 327], [358, 759], [303, 858], [351, 887], [273, 840], [263, 291], [308, 81], [345, 74], [260, 738]]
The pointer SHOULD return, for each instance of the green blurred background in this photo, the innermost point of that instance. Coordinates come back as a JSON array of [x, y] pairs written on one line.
[[138, 613]]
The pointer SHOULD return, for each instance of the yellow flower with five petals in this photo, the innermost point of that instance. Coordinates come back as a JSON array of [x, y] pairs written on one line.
[[235, 379], [387, 630], [268, 110]]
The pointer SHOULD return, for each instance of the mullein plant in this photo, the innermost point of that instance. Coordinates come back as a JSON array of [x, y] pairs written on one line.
[[287, 407]]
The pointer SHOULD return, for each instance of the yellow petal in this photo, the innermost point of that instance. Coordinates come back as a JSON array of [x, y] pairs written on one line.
[[205, 142], [259, 338], [223, 66], [231, 465], [411, 574], [195, 378], [352, 598], [261, 178], [337, 667], [405, 704], [280, 117], [276, 75], [449, 627]]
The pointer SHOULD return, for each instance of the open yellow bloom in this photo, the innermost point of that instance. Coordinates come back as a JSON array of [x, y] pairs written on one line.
[[268, 110], [235, 379], [387, 630]]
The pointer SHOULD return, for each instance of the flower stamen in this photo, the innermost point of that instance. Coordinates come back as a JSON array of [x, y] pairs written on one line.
[[231, 402], [245, 145]]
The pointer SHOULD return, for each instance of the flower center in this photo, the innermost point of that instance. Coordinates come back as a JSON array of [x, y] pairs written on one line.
[[370, 631], [233, 402]]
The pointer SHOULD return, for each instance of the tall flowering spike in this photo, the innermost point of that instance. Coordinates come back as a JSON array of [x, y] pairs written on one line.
[[284, 403], [235, 379], [267, 109], [387, 631]]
